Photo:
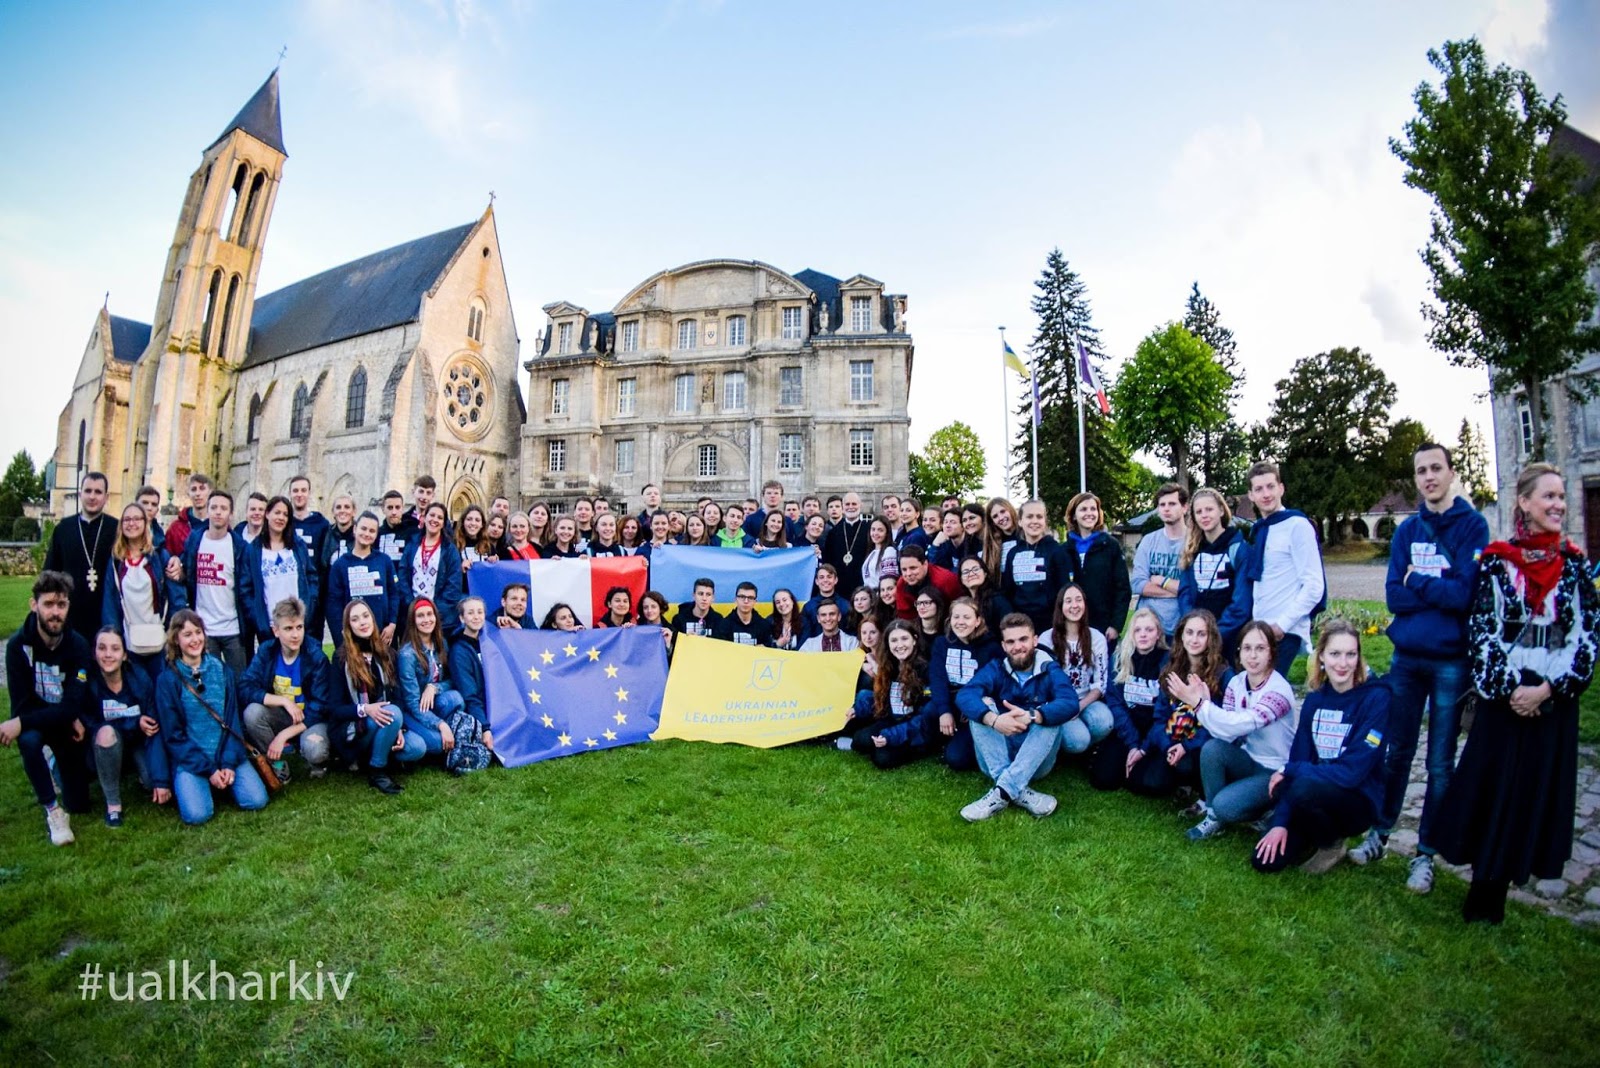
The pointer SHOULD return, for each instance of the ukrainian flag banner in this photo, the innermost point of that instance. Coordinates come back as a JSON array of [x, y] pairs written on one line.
[[722, 692], [674, 568]]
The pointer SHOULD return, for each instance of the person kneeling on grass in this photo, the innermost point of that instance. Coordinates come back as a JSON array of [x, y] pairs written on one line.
[[1334, 781], [894, 733], [119, 717], [474, 741], [1178, 737], [197, 702], [1141, 658], [958, 653], [1019, 707], [1250, 732], [426, 694], [285, 693], [368, 724]]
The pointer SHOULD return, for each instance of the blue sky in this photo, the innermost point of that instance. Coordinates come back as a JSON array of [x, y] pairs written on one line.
[[943, 148]]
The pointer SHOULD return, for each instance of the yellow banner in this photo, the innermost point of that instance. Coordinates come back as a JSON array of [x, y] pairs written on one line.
[[723, 692]]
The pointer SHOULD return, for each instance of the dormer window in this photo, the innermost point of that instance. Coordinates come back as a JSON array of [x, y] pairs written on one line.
[[563, 339], [860, 315]]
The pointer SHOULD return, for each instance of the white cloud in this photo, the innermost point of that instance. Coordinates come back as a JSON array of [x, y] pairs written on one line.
[[1516, 28], [428, 62]]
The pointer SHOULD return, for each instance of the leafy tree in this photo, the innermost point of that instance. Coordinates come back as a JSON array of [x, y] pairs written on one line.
[[20, 483], [1062, 305], [952, 465], [1472, 464], [1515, 225], [1330, 426], [1399, 470], [1221, 456], [1172, 390]]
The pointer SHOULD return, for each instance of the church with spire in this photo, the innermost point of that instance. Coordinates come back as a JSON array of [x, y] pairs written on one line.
[[398, 364]]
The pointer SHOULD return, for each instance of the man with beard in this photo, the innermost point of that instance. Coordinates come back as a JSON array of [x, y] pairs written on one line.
[[47, 667], [846, 545]]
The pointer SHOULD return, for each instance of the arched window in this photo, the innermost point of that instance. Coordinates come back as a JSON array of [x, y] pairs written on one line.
[[230, 210], [355, 400], [250, 205], [300, 414], [252, 430], [475, 321], [211, 311], [227, 315]]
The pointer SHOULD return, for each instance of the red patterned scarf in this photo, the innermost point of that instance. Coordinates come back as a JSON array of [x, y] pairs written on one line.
[[1537, 558]]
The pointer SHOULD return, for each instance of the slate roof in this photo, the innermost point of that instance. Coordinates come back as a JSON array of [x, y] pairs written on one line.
[[1585, 148], [260, 117], [373, 293], [826, 287], [128, 338]]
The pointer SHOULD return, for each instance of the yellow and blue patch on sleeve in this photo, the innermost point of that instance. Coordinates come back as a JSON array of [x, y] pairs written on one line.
[[1374, 738]]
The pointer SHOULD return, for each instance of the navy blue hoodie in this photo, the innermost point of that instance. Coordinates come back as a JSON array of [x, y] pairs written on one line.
[[1340, 742], [1431, 605]]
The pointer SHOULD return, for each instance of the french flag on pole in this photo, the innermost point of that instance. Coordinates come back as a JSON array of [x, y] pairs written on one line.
[[581, 583], [1089, 381]]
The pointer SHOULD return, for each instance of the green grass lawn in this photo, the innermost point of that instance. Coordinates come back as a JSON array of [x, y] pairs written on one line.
[[683, 903]]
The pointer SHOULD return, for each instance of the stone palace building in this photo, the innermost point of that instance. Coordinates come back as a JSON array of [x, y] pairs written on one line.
[[710, 378]]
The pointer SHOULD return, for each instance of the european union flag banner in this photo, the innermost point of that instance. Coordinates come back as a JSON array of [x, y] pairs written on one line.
[[673, 569], [552, 693], [580, 583]]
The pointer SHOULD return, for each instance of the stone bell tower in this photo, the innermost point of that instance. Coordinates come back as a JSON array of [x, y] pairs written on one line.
[[182, 391]]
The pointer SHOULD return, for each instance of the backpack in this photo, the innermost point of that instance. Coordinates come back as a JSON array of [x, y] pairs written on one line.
[[469, 752]]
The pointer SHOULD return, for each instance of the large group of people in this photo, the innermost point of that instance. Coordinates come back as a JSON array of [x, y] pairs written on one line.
[[193, 655]]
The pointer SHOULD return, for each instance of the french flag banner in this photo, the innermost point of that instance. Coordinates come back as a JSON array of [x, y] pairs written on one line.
[[581, 583]]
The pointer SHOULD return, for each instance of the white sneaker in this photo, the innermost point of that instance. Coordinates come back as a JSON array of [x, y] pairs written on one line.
[[60, 827], [1372, 848], [1035, 804], [990, 803], [1420, 881]]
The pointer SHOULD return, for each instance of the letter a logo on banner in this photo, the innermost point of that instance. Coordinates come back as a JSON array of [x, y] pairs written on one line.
[[766, 674]]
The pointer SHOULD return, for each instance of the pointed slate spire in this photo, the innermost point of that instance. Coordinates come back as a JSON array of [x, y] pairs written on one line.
[[259, 117]]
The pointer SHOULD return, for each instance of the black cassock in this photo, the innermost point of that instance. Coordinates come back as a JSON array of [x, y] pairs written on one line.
[[76, 547]]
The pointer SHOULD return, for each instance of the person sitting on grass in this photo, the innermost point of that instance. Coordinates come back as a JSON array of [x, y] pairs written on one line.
[[369, 726], [698, 617], [1334, 781], [619, 608], [119, 718], [958, 653], [427, 696], [474, 740], [1081, 652], [1176, 738], [285, 692], [513, 612], [197, 702], [1017, 706], [1141, 660], [894, 732], [1250, 732]]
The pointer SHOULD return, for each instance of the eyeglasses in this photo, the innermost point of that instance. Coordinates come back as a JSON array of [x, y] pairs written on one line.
[[744, 596]]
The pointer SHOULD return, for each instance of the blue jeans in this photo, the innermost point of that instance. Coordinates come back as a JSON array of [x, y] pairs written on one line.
[[1289, 647], [1092, 724], [194, 793], [1440, 684], [1235, 785], [1013, 761], [383, 739], [428, 734]]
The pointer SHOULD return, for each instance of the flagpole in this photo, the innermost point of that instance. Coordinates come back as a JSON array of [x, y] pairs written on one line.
[[1083, 450], [1033, 382], [1005, 415]]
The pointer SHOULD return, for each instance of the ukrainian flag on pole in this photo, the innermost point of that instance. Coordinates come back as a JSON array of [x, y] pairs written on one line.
[[1013, 361]]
